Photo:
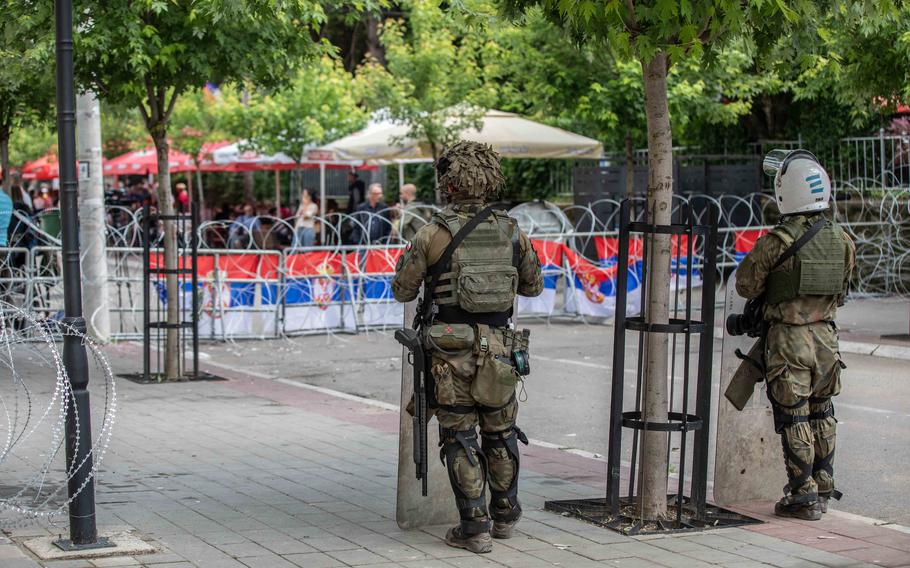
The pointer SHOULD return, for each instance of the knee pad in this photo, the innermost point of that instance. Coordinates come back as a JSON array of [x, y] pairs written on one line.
[[494, 443], [468, 479], [785, 418]]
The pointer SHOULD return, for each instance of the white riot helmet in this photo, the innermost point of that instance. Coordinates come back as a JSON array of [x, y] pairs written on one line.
[[801, 185]]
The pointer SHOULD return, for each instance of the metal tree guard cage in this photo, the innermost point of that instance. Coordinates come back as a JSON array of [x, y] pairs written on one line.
[[688, 240], [187, 273]]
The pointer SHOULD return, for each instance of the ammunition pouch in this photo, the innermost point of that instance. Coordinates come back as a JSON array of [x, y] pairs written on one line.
[[497, 374]]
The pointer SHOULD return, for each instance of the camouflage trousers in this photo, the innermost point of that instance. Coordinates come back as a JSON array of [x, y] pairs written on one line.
[[804, 367], [494, 459]]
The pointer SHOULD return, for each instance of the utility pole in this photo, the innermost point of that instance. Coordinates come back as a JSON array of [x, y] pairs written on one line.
[[83, 532], [91, 217]]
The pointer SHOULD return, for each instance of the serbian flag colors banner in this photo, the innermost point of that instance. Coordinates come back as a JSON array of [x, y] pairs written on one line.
[[228, 294], [745, 240], [591, 288], [378, 269], [679, 258], [549, 253], [314, 293]]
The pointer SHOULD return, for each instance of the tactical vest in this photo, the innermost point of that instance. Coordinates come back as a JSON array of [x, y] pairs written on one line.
[[817, 269], [480, 283]]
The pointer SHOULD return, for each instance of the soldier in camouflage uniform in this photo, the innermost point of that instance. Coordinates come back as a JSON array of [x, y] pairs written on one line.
[[802, 359], [471, 343]]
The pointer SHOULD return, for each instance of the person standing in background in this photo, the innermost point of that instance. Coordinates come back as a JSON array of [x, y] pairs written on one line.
[[6, 215], [412, 218], [373, 217], [305, 221], [356, 192]]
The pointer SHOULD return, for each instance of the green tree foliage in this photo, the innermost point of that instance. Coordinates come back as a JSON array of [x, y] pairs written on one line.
[[30, 142], [147, 53], [861, 58], [321, 104], [201, 117], [660, 34], [26, 74], [439, 79]]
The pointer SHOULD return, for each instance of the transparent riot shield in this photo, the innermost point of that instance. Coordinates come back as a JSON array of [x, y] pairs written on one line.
[[748, 457], [414, 510]]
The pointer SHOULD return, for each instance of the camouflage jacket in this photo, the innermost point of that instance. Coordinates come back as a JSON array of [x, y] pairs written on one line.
[[430, 242], [754, 269]]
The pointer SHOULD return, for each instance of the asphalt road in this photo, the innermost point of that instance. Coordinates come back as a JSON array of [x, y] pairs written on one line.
[[568, 397]]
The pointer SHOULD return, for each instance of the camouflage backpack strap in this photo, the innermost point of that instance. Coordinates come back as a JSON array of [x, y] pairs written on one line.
[[452, 223], [787, 232], [504, 218]]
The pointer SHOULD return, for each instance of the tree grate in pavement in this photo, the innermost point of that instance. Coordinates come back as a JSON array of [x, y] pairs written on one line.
[[597, 512], [158, 379]]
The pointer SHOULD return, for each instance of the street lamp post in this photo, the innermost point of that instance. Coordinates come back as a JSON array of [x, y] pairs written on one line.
[[83, 532]]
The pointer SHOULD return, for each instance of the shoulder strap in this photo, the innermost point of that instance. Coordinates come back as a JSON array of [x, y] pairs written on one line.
[[800, 242], [442, 264]]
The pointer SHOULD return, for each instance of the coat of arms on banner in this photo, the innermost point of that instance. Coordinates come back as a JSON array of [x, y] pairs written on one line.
[[216, 294], [324, 287]]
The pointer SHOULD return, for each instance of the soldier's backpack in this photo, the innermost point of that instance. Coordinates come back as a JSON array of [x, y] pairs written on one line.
[[481, 276]]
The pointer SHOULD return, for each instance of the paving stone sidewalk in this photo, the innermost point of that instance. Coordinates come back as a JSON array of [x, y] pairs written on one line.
[[254, 473]]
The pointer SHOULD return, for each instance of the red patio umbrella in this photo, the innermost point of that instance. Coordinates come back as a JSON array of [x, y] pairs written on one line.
[[145, 161], [43, 169]]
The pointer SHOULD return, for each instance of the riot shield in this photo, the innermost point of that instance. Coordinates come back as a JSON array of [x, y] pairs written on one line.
[[413, 510], [748, 458]]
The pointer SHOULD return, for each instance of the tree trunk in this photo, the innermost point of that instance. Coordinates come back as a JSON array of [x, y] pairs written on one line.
[[630, 166], [4, 162], [374, 46], [201, 193], [95, 295], [166, 207], [653, 488], [248, 186]]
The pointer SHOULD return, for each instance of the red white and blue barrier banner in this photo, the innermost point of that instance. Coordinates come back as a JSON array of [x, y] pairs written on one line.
[[375, 269], [549, 253], [744, 241], [313, 292]]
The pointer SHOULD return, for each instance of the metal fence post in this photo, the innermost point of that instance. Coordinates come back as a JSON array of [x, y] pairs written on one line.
[[881, 154]]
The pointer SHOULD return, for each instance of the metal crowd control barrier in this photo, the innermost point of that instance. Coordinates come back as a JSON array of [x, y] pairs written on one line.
[[349, 292]]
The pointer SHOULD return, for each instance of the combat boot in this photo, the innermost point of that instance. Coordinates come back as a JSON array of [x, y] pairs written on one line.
[[478, 543], [503, 529], [823, 501], [804, 507]]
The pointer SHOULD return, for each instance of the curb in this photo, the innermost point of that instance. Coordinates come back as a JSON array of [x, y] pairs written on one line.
[[882, 350], [876, 350]]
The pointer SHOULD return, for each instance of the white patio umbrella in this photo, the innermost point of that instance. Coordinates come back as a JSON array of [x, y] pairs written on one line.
[[232, 154], [512, 135]]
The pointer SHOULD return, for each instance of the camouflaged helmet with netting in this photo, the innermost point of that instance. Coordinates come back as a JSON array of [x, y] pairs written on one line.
[[469, 170]]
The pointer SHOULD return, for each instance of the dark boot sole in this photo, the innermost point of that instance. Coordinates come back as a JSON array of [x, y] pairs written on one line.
[[801, 514], [478, 544]]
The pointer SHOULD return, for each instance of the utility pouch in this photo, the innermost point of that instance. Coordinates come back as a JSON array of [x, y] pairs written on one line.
[[494, 383], [482, 289], [821, 277], [518, 342], [450, 336]]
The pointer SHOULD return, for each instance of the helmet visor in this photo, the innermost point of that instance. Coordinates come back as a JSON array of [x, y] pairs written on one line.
[[774, 161]]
